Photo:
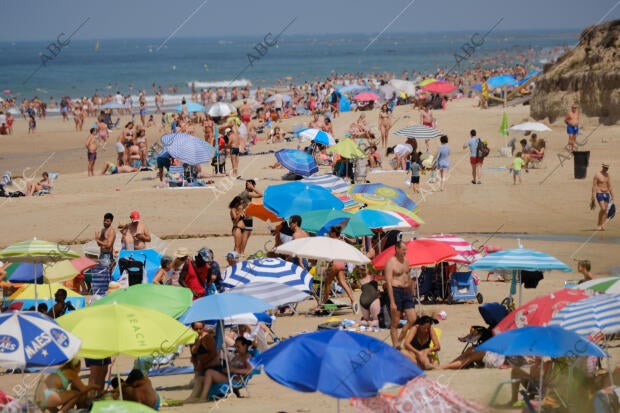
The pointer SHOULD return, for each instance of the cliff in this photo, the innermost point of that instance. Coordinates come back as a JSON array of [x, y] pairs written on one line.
[[588, 75]]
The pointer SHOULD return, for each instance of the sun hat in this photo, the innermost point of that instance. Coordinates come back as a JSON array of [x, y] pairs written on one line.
[[181, 252], [605, 165]]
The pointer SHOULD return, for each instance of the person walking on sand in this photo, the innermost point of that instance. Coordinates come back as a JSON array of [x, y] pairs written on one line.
[[603, 193], [399, 288], [474, 160], [517, 165], [427, 119], [91, 151], [443, 161], [572, 126]]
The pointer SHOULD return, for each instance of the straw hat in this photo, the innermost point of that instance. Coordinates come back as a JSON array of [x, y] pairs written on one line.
[[181, 252]]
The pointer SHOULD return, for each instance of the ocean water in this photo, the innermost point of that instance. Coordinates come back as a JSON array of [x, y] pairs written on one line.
[[105, 66]]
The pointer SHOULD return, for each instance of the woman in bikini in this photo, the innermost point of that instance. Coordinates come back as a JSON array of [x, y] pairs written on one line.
[[142, 146], [208, 129], [385, 123], [127, 140], [417, 344], [53, 392], [237, 215]]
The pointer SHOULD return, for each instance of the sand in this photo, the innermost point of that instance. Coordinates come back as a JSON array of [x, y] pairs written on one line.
[[550, 203]]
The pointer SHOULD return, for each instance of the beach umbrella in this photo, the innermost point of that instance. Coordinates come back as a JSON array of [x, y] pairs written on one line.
[[29, 338], [420, 395], [297, 161], [540, 310], [341, 364], [187, 148], [296, 197], [268, 270], [466, 252], [609, 285], [119, 406], [191, 107], [24, 272], [419, 253], [220, 109], [149, 257], [379, 193], [316, 135], [349, 89], [550, 341], [503, 128], [377, 219], [273, 293], [517, 260], [501, 81], [331, 182], [259, 211], [350, 205], [170, 300], [220, 306], [36, 252], [387, 90], [366, 97], [404, 220], [418, 132], [440, 87], [427, 82], [404, 86], [600, 313], [388, 206], [531, 127], [323, 248], [320, 221], [249, 318], [51, 272], [112, 329], [347, 148], [285, 98], [29, 295]]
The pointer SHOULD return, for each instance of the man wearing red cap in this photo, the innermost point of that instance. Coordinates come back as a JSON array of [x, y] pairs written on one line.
[[139, 231]]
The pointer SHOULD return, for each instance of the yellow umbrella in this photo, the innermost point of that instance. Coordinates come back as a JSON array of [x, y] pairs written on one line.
[[427, 82], [27, 295], [59, 271], [347, 148]]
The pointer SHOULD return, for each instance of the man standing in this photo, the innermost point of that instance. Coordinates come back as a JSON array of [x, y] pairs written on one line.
[[474, 160], [91, 151], [139, 231], [399, 289], [603, 193], [105, 240], [572, 126], [234, 140]]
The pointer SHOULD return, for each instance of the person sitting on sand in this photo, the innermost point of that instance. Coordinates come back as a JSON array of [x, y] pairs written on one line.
[[337, 270], [53, 392], [111, 169], [370, 302], [44, 183], [417, 343], [61, 306], [139, 389], [239, 364], [204, 356], [162, 275], [374, 158]]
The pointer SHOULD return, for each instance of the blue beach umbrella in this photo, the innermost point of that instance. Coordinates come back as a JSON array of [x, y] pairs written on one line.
[[591, 315], [268, 270], [377, 219], [187, 148], [331, 182], [316, 135], [297, 161], [296, 197], [191, 107], [29, 338], [274, 293], [338, 363], [221, 306], [501, 81], [150, 257], [369, 193], [24, 272]]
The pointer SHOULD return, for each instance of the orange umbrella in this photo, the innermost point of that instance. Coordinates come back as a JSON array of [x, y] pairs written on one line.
[[259, 211]]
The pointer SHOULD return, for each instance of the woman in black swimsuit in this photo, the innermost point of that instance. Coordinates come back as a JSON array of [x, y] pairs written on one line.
[[237, 215], [417, 344]]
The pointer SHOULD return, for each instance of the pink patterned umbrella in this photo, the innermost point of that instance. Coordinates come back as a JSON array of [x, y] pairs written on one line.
[[467, 254], [366, 97]]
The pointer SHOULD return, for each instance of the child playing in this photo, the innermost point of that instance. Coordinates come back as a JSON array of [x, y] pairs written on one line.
[[416, 165], [517, 165]]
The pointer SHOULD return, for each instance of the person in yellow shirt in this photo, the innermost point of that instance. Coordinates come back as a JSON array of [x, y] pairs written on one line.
[[517, 166]]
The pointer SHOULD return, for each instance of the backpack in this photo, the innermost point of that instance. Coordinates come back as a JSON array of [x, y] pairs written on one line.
[[482, 150], [134, 269]]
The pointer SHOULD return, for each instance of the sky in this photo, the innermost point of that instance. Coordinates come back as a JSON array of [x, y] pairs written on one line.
[[161, 19]]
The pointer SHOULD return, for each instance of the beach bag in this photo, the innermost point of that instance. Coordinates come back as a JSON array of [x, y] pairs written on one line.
[[530, 279], [385, 315], [133, 268], [482, 150]]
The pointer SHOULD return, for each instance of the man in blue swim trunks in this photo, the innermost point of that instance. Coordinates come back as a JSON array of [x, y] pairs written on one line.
[[603, 193], [399, 289], [572, 126]]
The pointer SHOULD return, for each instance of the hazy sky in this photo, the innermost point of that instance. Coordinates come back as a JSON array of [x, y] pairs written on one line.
[[45, 19]]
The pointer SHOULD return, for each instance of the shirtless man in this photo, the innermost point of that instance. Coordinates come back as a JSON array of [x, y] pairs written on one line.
[[105, 239], [603, 193], [139, 389], [316, 122], [295, 225], [91, 151], [399, 289], [138, 231], [246, 112], [234, 141], [427, 119], [572, 126]]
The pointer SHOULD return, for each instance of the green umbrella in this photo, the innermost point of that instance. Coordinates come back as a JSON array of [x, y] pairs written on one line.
[[504, 127], [347, 148], [119, 406], [170, 300], [319, 221]]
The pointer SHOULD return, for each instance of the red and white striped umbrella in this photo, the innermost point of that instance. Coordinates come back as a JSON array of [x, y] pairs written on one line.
[[467, 254]]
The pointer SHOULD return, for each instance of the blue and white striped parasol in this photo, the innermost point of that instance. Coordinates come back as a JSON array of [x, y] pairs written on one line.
[[29, 338], [330, 182], [591, 315], [520, 259], [274, 293], [268, 270], [187, 148], [297, 161], [418, 132], [316, 135]]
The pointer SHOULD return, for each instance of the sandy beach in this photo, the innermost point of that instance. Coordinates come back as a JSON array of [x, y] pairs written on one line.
[[548, 212]]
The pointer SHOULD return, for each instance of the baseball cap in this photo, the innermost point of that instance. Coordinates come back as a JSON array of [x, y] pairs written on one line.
[[134, 216], [232, 255], [206, 254]]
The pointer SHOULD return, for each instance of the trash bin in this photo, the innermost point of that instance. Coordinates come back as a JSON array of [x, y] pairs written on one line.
[[581, 159]]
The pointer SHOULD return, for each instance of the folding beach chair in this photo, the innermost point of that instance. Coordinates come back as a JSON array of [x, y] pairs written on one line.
[[220, 391], [47, 191], [176, 176], [99, 277]]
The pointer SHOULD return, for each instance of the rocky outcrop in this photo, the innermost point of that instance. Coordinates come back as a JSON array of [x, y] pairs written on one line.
[[588, 75]]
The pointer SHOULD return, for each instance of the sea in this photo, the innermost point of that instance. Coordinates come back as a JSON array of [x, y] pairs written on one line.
[[83, 67]]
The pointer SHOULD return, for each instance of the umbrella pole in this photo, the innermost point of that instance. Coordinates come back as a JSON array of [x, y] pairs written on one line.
[[520, 285], [118, 376], [230, 385], [540, 382], [36, 298]]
